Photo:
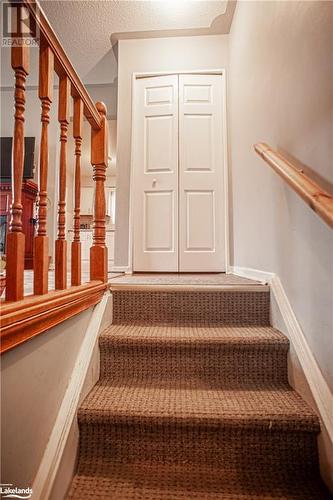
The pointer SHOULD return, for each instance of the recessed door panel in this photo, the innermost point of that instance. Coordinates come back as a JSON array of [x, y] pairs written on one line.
[[159, 137], [197, 93], [200, 231], [197, 142], [156, 95], [159, 205]]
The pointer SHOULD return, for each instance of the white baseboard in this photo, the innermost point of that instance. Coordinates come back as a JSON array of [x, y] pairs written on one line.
[[49, 465], [318, 385], [252, 274], [119, 269]]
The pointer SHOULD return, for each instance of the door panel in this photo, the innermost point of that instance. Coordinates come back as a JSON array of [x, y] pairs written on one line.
[[197, 142], [159, 205], [155, 170], [201, 193], [159, 131], [200, 237]]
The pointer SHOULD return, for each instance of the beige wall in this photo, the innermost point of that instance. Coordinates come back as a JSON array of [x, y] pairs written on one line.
[[34, 378], [281, 92], [164, 54]]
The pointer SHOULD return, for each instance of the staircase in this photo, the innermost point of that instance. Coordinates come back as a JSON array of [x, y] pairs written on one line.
[[193, 402]]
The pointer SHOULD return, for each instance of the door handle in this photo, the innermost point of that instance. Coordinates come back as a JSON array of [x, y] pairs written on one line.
[[154, 182]]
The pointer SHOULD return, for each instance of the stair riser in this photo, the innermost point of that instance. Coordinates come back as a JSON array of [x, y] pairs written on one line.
[[119, 481], [211, 367], [225, 307], [228, 448]]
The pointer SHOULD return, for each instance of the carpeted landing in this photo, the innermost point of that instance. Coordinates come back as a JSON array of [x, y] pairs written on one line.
[[193, 402]]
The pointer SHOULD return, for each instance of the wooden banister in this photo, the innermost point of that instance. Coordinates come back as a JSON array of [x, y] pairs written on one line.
[[62, 64], [23, 320], [317, 198], [26, 316]]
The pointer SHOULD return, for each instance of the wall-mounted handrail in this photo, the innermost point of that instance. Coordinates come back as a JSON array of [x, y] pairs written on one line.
[[316, 197], [62, 64]]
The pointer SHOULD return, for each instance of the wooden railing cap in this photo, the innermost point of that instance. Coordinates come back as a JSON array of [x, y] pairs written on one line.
[[261, 147]]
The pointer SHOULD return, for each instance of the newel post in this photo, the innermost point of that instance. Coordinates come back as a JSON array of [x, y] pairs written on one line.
[[99, 160], [15, 238]]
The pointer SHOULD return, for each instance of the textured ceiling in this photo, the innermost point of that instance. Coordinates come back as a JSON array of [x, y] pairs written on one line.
[[86, 28], [89, 30]]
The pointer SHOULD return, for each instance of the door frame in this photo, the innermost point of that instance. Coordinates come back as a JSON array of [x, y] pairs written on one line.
[[138, 75]]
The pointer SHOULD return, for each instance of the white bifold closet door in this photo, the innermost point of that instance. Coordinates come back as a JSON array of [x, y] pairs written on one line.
[[178, 188]]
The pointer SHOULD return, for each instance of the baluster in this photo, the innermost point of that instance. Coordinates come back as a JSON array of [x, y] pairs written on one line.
[[15, 238], [61, 243], [41, 241], [76, 244], [99, 159]]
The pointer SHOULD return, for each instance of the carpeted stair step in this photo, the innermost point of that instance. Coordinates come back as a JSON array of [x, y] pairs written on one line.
[[145, 481], [201, 355], [233, 306], [204, 426]]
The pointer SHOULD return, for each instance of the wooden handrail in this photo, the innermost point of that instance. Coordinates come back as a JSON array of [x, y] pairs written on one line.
[[23, 320], [317, 198], [62, 64]]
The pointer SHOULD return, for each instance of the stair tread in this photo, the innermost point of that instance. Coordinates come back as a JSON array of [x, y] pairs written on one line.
[[124, 481], [268, 407], [194, 334], [178, 279]]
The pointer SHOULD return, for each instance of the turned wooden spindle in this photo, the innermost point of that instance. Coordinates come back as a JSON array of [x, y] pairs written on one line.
[[61, 243], [76, 244], [41, 241], [15, 241], [99, 160]]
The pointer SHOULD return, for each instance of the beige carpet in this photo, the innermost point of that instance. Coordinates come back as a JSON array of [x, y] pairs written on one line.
[[182, 279], [193, 402]]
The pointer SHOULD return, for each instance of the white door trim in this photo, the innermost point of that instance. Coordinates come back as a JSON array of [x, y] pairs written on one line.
[[222, 72]]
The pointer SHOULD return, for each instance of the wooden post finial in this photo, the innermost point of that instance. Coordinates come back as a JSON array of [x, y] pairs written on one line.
[[101, 107]]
